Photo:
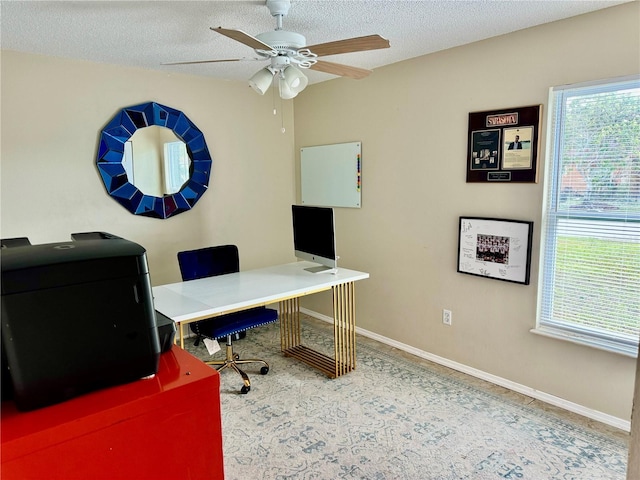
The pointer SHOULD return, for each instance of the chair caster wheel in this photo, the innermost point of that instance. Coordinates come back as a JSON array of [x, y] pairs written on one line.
[[245, 389], [236, 356], [264, 370]]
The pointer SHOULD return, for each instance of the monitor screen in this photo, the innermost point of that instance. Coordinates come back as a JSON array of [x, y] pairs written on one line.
[[314, 235]]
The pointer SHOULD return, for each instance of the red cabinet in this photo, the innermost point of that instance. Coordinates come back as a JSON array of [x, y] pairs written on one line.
[[165, 427]]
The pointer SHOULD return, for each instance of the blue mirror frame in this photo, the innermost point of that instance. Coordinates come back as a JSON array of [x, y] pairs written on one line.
[[111, 152]]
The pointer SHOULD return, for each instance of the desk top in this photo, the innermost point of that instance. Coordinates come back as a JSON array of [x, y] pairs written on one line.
[[207, 297]]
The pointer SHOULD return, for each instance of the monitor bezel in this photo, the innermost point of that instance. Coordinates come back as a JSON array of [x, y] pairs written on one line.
[[303, 253]]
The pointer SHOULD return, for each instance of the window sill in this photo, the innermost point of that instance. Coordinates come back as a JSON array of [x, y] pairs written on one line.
[[598, 343]]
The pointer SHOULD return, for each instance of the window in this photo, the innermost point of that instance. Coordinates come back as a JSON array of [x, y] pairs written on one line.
[[590, 259], [176, 166]]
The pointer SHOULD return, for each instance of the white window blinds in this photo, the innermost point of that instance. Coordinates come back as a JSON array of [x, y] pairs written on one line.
[[590, 261]]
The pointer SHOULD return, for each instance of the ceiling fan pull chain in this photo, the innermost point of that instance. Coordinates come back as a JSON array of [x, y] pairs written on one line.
[[281, 113], [282, 129], [273, 91]]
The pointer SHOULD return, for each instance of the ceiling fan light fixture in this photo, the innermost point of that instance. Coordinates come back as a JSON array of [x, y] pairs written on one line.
[[262, 80], [292, 82], [285, 92]]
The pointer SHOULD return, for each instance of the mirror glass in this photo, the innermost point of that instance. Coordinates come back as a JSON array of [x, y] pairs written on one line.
[[156, 161], [153, 160]]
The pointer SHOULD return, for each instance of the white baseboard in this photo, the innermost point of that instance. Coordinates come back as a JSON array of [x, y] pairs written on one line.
[[503, 382]]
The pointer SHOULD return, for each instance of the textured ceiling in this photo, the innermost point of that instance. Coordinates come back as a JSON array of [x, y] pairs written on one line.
[[148, 33]]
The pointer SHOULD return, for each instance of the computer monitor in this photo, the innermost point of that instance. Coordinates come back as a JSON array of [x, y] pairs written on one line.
[[314, 237]]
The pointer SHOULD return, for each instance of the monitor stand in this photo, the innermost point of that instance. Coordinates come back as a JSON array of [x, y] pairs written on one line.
[[322, 269]]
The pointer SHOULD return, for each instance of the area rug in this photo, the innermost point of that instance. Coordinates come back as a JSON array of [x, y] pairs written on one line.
[[392, 419]]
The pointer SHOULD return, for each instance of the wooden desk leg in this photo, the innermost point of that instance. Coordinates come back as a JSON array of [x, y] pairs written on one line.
[[289, 324], [344, 328], [181, 331]]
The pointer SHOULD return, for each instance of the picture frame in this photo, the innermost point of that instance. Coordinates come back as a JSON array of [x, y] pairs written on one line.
[[495, 248], [503, 145]]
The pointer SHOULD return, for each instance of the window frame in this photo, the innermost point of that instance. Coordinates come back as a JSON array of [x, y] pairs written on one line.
[[551, 217]]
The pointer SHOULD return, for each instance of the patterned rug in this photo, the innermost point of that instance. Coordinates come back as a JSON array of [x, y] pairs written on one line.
[[392, 419]]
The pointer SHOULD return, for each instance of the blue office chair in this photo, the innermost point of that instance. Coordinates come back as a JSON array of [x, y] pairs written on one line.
[[220, 260]]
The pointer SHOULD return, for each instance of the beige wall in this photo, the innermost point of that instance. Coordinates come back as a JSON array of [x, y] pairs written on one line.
[[52, 113], [412, 120]]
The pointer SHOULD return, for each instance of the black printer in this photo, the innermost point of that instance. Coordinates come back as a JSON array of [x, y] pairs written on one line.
[[77, 316]]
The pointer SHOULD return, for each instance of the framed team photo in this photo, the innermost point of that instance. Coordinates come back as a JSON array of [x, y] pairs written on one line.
[[495, 248]]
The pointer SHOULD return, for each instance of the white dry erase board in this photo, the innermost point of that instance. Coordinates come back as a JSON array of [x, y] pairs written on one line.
[[331, 175]]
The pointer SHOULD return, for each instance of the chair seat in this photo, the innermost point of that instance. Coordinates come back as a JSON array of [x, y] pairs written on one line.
[[221, 260], [228, 324]]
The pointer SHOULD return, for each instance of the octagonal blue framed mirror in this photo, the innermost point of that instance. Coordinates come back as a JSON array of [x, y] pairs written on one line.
[[153, 160]]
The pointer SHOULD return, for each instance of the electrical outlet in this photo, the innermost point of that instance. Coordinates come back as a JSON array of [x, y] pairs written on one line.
[[446, 317]]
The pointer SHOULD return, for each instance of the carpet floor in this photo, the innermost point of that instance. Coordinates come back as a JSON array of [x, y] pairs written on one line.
[[396, 417]]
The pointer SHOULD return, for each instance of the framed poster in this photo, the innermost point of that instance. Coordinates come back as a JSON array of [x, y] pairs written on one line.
[[503, 145], [495, 248]]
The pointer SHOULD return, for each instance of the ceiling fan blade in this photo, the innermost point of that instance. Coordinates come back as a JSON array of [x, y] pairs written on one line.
[[357, 44], [342, 70], [214, 61], [242, 37]]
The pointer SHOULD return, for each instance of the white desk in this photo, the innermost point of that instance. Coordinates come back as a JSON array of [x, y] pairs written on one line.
[[194, 300]]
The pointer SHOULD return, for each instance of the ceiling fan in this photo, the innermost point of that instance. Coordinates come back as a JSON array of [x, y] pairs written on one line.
[[287, 53]]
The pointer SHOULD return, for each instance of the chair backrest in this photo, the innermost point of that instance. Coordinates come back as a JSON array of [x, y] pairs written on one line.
[[208, 262]]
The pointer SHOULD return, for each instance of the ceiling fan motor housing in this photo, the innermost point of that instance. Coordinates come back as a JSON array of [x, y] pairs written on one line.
[[283, 40]]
